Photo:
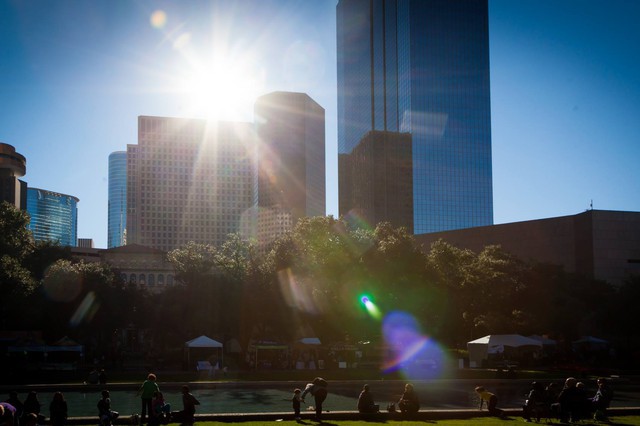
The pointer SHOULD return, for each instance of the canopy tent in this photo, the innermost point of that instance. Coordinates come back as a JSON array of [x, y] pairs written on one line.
[[268, 347], [590, 343], [62, 355], [307, 353], [203, 342], [310, 341], [480, 349], [545, 341]]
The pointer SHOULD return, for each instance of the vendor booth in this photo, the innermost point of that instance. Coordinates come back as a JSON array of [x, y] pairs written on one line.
[[500, 347], [268, 355], [204, 348]]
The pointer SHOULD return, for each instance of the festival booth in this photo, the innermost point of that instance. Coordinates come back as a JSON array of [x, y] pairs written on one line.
[[307, 354], [204, 348], [344, 355], [268, 355], [590, 344], [500, 347], [65, 354]]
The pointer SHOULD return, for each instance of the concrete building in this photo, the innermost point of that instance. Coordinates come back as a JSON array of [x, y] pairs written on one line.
[[117, 213], [145, 267], [381, 173], [54, 216], [290, 161], [188, 180], [422, 67], [12, 167], [600, 244]]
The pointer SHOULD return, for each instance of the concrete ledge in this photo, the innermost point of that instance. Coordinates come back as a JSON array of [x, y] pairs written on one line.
[[457, 414]]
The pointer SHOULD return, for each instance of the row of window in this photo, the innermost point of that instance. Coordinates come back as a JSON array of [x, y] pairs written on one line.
[[148, 279]]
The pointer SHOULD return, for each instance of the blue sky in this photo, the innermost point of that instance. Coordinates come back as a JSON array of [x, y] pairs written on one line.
[[74, 76]]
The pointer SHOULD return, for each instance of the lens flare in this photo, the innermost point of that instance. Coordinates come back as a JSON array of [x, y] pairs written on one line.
[[409, 351], [86, 310], [158, 19], [372, 309]]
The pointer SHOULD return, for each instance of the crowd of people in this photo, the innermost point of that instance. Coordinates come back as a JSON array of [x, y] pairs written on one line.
[[155, 410], [571, 403]]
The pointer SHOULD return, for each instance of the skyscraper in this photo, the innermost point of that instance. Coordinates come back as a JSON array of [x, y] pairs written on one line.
[[54, 216], [421, 67], [291, 161], [188, 180], [117, 219], [382, 187]]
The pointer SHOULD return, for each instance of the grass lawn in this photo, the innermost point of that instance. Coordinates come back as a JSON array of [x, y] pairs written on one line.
[[480, 421]]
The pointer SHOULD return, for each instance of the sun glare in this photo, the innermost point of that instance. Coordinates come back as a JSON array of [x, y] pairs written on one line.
[[222, 91]]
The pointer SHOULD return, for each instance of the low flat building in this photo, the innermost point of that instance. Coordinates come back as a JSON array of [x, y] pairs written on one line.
[[600, 244], [144, 266]]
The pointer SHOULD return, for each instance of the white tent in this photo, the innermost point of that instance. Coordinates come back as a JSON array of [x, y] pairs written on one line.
[[480, 349], [202, 342], [590, 343]]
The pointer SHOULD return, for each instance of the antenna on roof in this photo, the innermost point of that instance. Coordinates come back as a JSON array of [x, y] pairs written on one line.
[[591, 205]]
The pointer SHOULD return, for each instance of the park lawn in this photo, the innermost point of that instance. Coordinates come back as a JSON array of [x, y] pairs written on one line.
[[480, 421]]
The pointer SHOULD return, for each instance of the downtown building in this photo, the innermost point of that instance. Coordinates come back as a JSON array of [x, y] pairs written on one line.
[[290, 162], [418, 67], [117, 208], [188, 180], [12, 167], [54, 216]]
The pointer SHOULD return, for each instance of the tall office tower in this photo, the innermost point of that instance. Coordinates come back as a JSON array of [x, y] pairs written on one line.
[[54, 216], [381, 168], [422, 67], [117, 219], [188, 180], [12, 166], [291, 161]]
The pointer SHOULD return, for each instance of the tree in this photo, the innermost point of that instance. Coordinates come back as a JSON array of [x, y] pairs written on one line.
[[16, 281], [193, 262]]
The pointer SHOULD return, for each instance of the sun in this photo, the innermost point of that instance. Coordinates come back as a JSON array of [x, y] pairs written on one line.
[[221, 90]]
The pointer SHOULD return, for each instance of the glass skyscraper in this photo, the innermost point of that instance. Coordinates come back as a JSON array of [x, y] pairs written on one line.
[[422, 67], [54, 216], [117, 219]]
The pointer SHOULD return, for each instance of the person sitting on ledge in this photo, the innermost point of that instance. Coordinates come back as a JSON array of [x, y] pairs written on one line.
[[409, 402], [365, 402]]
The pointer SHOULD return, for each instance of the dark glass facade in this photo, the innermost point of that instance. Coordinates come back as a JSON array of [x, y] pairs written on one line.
[[117, 215], [54, 216], [291, 159], [422, 67]]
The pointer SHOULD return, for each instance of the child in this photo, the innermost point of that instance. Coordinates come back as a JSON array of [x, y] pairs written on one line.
[[296, 403], [161, 409], [491, 400]]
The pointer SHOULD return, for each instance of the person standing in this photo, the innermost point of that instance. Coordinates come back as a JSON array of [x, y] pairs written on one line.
[[32, 405], [102, 377], [58, 410], [317, 388], [147, 390]]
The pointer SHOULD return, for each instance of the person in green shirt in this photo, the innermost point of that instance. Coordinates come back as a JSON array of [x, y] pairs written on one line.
[[146, 391]]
